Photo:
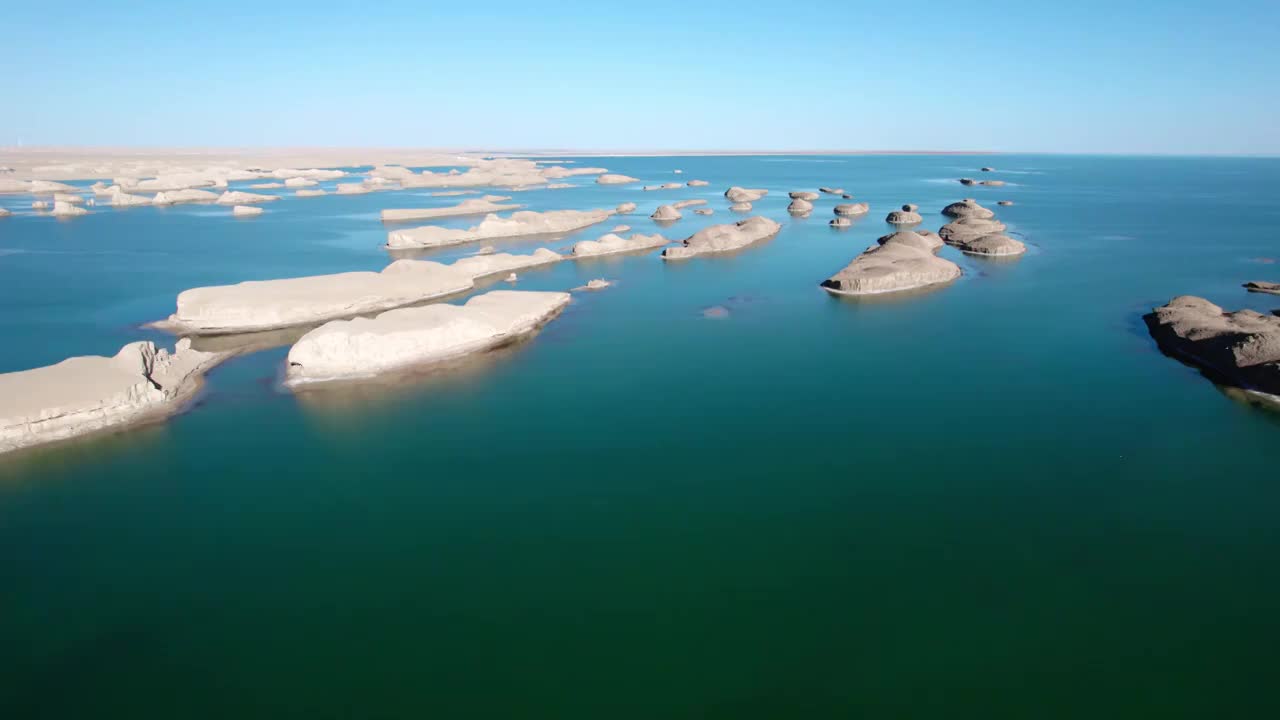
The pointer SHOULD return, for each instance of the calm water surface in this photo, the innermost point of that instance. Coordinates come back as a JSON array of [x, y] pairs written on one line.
[[994, 500]]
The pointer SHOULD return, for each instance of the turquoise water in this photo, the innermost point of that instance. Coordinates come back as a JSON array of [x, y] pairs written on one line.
[[994, 500]]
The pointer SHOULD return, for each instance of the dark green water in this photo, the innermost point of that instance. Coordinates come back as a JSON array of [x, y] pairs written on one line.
[[994, 500]]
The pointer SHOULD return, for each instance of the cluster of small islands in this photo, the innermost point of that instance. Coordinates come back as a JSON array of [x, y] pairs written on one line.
[[356, 325]]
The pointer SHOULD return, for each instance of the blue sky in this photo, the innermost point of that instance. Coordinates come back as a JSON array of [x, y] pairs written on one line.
[[1137, 77]]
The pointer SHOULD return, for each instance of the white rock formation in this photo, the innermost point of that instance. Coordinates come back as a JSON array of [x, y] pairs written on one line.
[[621, 228], [804, 195], [40, 205], [235, 197], [48, 187], [993, 245], [596, 284], [852, 209], [615, 180], [664, 186], [176, 197], [704, 211], [891, 267], [800, 206], [9, 186], [612, 244], [120, 198], [904, 217], [556, 172], [494, 227], [831, 191], [407, 337], [352, 189], [625, 208], [697, 183], [310, 193], [666, 213], [309, 174], [245, 211], [266, 186], [82, 395], [744, 195], [741, 207], [66, 209], [299, 182], [724, 238], [473, 206], [270, 304], [68, 198], [967, 207], [4, 212]]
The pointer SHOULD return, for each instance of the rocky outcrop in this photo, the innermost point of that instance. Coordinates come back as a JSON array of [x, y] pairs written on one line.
[[724, 238], [800, 206], [596, 284], [48, 187], [804, 195], [608, 179], [245, 211], [920, 240], [968, 181], [612, 244], [493, 227], [310, 193], [904, 217], [559, 172], [1259, 286], [1240, 348], [178, 197], [987, 169], [272, 304], [704, 211], [68, 198], [1004, 202], [474, 206], [831, 191], [300, 182], [967, 229], [664, 186], [4, 212], [666, 213], [66, 209], [852, 209], [741, 207], [896, 266], [967, 207], [266, 186], [235, 197], [625, 208], [83, 395], [744, 195], [697, 183], [120, 198], [841, 222], [992, 183], [352, 189], [419, 335], [993, 245]]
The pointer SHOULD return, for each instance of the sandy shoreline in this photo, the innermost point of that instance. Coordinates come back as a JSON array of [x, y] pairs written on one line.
[[90, 163]]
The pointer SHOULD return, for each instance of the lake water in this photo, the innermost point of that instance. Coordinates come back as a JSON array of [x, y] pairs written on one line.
[[997, 499]]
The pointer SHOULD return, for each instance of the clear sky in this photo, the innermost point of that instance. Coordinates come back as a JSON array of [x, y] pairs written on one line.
[[1142, 77]]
